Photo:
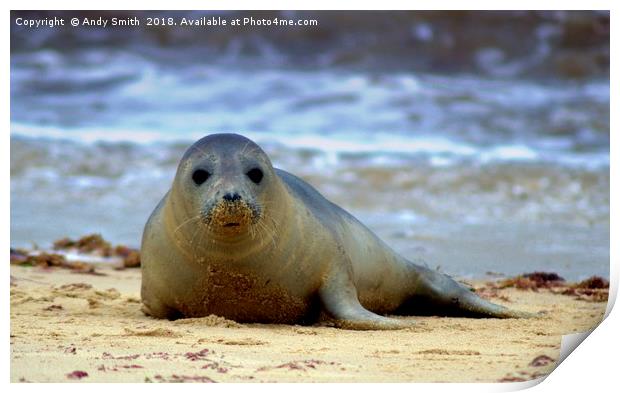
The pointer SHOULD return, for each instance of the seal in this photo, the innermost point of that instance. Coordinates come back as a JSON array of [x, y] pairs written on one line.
[[238, 238]]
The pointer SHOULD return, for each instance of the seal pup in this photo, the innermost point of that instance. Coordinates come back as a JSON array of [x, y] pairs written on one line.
[[238, 238]]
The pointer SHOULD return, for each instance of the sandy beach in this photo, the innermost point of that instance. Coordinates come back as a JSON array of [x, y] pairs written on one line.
[[67, 326]]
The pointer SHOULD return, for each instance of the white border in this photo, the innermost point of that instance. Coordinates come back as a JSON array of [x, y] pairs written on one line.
[[592, 366], [311, 5]]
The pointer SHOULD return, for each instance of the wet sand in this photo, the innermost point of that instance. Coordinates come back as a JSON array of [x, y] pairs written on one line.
[[89, 328]]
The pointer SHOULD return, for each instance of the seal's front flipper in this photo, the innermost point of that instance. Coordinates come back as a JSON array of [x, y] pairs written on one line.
[[341, 303], [156, 309]]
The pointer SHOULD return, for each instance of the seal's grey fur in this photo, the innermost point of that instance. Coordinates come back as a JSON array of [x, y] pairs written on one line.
[[277, 251]]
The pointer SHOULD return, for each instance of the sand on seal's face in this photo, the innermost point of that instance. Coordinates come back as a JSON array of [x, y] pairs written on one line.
[[77, 327]]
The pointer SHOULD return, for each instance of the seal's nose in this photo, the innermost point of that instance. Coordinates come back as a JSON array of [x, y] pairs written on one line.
[[230, 197]]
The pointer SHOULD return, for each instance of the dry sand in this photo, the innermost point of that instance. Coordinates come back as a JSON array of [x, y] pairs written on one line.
[[87, 328]]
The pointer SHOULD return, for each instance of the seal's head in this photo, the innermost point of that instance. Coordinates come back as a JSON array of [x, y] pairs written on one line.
[[223, 181]]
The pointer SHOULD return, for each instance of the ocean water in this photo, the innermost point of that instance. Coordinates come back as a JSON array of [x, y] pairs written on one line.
[[470, 172]]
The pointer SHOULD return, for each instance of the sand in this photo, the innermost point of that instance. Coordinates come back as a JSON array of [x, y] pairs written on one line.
[[89, 328]]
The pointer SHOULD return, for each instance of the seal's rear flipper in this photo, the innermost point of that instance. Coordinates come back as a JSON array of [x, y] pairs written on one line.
[[468, 303], [435, 293]]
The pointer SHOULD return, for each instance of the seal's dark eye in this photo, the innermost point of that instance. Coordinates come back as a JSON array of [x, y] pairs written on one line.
[[200, 176], [256, 175]]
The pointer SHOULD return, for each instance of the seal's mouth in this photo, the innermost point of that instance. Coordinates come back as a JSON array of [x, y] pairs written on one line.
[[231, 218]]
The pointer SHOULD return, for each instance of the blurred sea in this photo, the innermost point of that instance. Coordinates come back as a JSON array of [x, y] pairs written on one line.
[[465, 150]]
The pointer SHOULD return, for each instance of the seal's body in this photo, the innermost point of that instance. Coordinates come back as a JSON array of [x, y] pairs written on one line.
[[237, 238]]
